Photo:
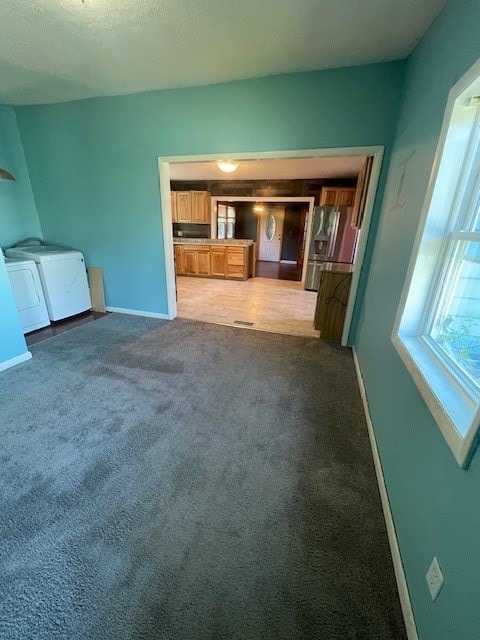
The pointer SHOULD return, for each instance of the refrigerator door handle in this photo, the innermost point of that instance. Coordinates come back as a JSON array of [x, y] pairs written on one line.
[[333, 237]]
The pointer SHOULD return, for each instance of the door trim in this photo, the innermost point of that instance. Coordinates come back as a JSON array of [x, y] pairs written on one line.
[[308, 200], [166, 211]]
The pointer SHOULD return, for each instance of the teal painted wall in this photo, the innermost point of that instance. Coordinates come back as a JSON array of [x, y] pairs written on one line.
[[435, 504], [18, 215], [93, 163], [18, 219], [12, 342]]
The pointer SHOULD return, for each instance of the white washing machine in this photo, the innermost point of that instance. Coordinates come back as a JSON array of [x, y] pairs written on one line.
[[63, 276], [28, 293]]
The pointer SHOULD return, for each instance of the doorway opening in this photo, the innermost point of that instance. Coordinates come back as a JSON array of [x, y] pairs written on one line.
[[242, 242], [277, 226], [279, 229]]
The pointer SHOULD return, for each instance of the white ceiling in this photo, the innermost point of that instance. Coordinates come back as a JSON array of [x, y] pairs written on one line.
[[284, 169], [59, 50]]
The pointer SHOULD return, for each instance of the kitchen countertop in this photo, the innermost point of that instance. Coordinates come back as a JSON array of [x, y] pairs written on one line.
[[337, 267], [212, 241]]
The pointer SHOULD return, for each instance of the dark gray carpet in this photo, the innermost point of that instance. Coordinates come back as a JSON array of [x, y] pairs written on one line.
[[192, 482]]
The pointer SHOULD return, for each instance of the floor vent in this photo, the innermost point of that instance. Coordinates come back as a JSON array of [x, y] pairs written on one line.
[[242, 323]]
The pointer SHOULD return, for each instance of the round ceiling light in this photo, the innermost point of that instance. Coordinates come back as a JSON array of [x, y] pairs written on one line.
[[258, 208], [227, 166]]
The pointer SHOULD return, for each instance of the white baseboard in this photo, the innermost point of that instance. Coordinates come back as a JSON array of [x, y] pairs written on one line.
[[137, 312], [13, 361], [387, 513], [288, 262]]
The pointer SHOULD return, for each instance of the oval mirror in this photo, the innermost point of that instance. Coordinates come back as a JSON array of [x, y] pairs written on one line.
[[270, 227]]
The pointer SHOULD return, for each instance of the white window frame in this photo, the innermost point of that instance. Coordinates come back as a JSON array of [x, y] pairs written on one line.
[[227, 218], [454, 187]]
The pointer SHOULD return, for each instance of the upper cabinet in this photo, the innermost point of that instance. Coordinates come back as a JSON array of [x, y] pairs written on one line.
[[355, 197], [361, 193], [201, 206], [337, 196], [346, 197], [184, 206], [191, 206], [329, 197], [173, 205]]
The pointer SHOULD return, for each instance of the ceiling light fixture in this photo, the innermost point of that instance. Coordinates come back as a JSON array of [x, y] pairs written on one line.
[[258, 208], [227, 166]]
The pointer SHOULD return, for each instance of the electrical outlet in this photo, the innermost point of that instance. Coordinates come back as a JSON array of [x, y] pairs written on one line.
[[434, 578]]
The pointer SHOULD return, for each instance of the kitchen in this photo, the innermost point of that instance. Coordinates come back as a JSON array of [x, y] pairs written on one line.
[[197, 251], [258, 227]]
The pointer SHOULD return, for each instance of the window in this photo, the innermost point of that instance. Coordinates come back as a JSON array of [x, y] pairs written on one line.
[[437, 330], [455, 326], [225, 221]]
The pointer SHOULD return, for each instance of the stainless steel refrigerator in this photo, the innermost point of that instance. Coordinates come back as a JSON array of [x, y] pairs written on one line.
[[334, 239]]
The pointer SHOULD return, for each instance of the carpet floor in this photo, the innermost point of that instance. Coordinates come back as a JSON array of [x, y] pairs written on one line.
[[179, 480]]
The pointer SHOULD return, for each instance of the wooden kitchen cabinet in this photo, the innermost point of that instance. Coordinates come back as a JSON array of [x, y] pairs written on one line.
[[328, 197], [196, 260], [331, 304], [191, 206], [201, 207], [361, 193], [215, 261], [190, 261], [346, 197], [218, 261], [350, 196], [236, 263], [179, 265], [203, 261], [337, 196], [173, 205], [184, 206]]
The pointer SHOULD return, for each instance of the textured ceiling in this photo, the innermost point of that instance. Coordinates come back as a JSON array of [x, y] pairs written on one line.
[[59, 50], [283, 169]]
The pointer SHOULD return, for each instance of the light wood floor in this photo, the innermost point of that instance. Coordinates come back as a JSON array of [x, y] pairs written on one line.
[[279, 306]]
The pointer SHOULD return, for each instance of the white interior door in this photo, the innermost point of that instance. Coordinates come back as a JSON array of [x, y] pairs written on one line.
[[271, 233]]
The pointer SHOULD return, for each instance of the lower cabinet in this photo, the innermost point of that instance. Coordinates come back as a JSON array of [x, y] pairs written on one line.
[[203, 262], [236, 263], [190, 262], [218, 261], [196, 261], [179, 260], [331, 305], [212, 261]]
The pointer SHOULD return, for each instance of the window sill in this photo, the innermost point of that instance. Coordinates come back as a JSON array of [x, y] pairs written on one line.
[[453, 409]]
